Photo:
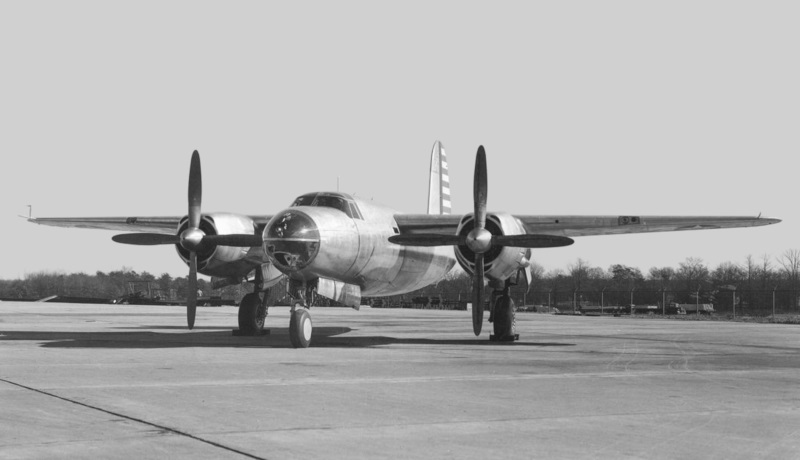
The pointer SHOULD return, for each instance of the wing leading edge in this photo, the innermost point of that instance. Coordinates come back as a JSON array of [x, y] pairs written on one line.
[[163, 225]]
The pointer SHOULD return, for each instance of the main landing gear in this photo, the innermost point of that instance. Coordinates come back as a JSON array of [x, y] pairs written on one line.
[[253, 313], [502, 315]]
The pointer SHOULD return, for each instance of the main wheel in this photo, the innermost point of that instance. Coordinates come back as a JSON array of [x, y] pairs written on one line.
[[251, 313], [300, 328], [504, 320]]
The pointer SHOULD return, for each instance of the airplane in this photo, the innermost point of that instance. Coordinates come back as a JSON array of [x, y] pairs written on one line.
[[341, 247]]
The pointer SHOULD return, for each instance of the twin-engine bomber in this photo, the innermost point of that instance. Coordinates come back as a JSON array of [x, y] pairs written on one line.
[[340, 247]]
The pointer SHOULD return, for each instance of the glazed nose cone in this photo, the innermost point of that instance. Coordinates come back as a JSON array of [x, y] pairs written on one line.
[[292, 240]]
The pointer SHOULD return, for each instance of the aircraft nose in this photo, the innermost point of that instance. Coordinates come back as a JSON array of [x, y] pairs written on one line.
[[291, 240]]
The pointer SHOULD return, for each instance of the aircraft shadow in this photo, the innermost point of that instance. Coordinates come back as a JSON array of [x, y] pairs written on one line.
[[374, 341], [324, 337]]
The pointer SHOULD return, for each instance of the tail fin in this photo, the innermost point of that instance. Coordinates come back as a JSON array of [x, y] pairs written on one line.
[[439, 186]]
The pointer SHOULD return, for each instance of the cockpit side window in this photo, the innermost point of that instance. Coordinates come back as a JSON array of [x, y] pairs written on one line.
[[356, 214]]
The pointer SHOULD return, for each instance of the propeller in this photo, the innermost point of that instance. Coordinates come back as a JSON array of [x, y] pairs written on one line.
[[192, 238], [480, 240]]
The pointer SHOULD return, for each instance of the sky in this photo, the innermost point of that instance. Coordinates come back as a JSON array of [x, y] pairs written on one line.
[[598, 108]]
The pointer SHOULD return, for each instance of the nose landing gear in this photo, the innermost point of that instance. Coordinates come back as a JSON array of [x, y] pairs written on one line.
[[300, 324]]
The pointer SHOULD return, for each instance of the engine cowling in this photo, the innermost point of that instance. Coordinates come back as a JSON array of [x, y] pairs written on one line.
[[224, 261], [499, 262]]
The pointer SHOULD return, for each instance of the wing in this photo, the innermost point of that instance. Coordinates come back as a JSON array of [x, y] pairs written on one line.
[[573, 226], [164, 225]]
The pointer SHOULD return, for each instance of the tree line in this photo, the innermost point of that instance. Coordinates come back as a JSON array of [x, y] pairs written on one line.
[[111, 285], [757, 282]]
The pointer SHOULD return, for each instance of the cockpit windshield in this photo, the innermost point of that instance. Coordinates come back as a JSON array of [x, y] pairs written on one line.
[[329, 200], [304, 200]]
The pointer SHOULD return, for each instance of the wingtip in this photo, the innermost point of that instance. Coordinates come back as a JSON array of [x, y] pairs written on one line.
[[767, 220]]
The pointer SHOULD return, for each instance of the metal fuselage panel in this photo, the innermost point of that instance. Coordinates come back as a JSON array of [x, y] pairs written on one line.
[[357, 251]]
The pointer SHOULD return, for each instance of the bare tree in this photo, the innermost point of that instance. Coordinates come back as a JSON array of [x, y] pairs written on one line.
[[728, 273], [578, 271], [692, 272], [790, 266], [750, 270], [765, 274]]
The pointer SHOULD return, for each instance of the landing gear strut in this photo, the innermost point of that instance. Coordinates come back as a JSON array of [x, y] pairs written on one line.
[[503, 315], [253, 309]]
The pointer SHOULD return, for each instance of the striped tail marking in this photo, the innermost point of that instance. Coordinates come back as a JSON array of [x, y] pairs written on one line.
[[439, 186]]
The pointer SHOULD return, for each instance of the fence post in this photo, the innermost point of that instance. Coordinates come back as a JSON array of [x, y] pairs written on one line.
[[773, 302], [697, 302], [602, 295], [632, 289], [574, 300]]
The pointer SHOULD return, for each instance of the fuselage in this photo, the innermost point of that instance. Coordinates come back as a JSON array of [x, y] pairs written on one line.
[[336, 236]]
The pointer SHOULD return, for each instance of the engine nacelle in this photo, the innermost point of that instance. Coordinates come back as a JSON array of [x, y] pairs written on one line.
[[499, 262], [224, 261]]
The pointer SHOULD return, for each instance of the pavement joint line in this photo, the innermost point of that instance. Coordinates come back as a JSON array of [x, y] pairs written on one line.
[[611, 374], [134, 419]]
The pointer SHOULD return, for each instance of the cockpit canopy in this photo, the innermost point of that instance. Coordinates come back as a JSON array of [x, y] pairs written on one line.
[[340, 201]]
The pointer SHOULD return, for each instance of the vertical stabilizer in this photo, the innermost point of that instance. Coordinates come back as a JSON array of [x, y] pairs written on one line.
[[439, 186]]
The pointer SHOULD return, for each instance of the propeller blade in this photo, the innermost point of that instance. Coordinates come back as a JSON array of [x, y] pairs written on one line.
[[195, 191], [532, 241], [191, 296], [477, 304], [427, 240], [146, 239], [480, 188], [237, 240]]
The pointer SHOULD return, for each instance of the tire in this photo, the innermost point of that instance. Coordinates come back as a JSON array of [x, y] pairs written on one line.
[[250, 314], [504, 319], [300, 328]]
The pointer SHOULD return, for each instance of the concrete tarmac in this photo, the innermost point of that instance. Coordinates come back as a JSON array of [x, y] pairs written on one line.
[[105, 381]]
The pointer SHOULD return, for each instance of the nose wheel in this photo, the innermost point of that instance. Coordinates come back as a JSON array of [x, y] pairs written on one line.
[[300, 327]]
